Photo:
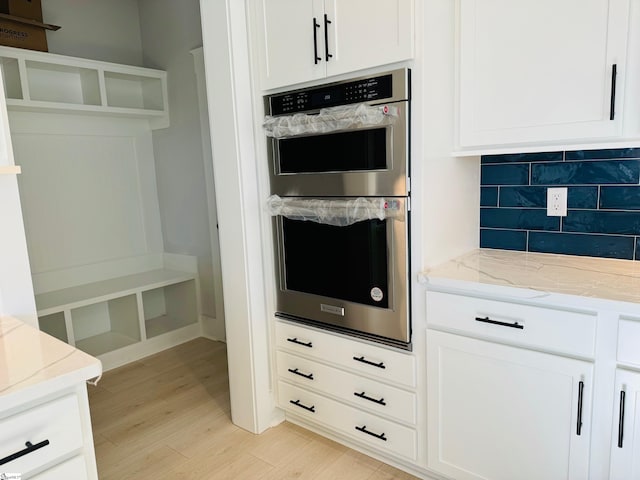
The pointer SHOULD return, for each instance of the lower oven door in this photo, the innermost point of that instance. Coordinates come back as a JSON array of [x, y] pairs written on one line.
[[353, 277]]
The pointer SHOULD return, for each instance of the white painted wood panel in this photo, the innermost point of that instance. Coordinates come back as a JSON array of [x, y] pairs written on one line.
[[82, 199]]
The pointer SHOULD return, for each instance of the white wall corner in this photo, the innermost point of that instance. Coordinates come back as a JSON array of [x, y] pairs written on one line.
[[228, 73]]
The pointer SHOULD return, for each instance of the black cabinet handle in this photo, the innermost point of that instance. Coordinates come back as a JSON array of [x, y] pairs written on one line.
[[316, 26], [30, 448], [297, 403], [374, 400], [614, 77], [580, 395], [298, 342], [621, 418], [295, 371], [326, 38], [363, 429], [502, 324], [368, 362]]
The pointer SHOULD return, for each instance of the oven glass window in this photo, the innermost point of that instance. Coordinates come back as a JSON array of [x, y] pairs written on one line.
[[347, 263], [336, 152]]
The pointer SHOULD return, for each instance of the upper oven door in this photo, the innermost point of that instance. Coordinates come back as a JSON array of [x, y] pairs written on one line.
[[370, 161]]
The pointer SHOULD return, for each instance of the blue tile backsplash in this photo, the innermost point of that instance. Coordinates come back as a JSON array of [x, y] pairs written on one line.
[[603, 218]]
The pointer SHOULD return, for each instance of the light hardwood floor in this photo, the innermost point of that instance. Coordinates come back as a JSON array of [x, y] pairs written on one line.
[[168, 417]]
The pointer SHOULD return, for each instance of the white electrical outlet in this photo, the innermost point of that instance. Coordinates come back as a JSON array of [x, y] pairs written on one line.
[[557, 202]]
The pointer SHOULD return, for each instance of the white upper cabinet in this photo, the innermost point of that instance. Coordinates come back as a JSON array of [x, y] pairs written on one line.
[[304, 40], [544, 71]]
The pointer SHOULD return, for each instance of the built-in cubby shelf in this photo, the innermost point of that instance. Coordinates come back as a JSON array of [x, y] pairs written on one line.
[[102, 318], [46, 82]]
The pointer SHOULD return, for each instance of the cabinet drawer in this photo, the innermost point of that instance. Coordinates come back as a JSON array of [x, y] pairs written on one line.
[[388, 365], [364, 427], [360, 392], [629, 340], [57, 422], [545, 328], [74, 468]]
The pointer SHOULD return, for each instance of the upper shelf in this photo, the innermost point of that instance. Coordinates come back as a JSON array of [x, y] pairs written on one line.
[[46, 82]]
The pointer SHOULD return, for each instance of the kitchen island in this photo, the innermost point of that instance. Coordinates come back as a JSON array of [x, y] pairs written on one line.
[[533, 357], [44, 410]]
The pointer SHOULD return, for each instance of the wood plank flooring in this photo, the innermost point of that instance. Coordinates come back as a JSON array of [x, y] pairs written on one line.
[[168, 417]]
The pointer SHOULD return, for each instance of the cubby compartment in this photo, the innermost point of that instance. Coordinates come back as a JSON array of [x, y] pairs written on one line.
[[106, 326], [11, 74], [134, 91], [169, 308], [54, 325], [49, 82]]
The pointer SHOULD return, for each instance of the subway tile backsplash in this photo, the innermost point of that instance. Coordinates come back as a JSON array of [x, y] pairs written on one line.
[[603, 218]]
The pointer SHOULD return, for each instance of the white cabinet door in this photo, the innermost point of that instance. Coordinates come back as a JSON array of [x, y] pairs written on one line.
[[625, 450], [366, 33], [304, 40], [540, 71], [499, 413], [293, 33]]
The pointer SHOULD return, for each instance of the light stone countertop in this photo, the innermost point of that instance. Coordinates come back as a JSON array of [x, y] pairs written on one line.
[[33, 363], [541, 274]]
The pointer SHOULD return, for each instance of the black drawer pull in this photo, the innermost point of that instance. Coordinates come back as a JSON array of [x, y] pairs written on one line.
[[621, 419], [30, 448], [614, 75], [502, 324], [295, 371], [297, 403], [316, 58], [368, 362], [580, 395], [363, 429], [363, 395], [327, 22], [298, 342]]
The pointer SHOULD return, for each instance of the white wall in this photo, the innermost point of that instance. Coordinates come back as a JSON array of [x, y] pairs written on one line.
[[170, 30], [107, 30], [16, 290]]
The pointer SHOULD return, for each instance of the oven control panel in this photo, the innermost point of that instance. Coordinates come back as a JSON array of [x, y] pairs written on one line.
[[362, 90]]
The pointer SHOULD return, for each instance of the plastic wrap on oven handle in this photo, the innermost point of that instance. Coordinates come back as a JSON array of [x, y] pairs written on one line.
[[330, 119], [339, 213]]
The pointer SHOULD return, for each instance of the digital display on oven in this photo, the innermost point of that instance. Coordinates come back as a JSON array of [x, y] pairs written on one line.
[[375, 88]]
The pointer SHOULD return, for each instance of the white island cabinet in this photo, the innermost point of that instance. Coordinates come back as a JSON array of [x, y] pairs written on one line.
[[304, 40], [550, 71], [533, 367], [45, 427]]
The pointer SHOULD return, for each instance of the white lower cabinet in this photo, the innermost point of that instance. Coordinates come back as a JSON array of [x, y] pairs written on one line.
[[364, 427], [49, 441], [497, 412], [71, 469], [625, 448], [362, 392]]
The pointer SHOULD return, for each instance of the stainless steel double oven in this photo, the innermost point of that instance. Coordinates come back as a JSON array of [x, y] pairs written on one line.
[[339, 162]]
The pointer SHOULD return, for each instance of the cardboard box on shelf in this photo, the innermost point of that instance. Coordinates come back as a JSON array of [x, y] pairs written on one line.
[[24, 33], [22, 8]]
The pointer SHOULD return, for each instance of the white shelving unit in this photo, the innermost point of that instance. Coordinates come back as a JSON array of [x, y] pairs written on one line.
[[113, 319], [46, 82]]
